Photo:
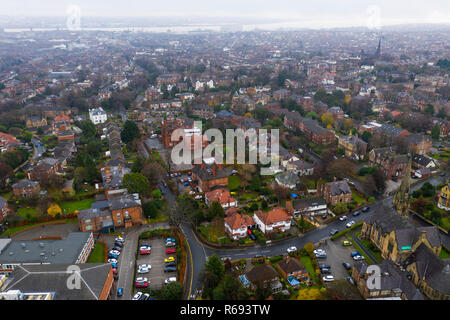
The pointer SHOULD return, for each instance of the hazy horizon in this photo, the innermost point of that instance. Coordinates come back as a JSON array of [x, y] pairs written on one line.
[[290, 13]]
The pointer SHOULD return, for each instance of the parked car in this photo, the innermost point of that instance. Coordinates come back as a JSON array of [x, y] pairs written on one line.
[[141, 282], [356, 258], [114, 265], [346, 243], [169, 280], [146, 245], [171, 264], [291, 249], [348, 225], [334, 231], [350, 279], [323, 265], [252, 236], [365, 209], [144, 251], [119, 239], [319, 251], [145, 296], [114, 252], [198, 197], [343, 218], [118, 244], [169, 259], [170, 244], [113, 256], [137, 296], [321, 255], [355, 253], [116, 248], [112, 261], [356, 213], [170, 250], [328, 278], [325, 271], [170, 269], [347, 265], [120, 292], [324, 216]]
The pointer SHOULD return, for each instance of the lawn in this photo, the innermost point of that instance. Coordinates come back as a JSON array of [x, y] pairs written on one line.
[[234, 182], [445, 254], [98, 254], [356, 196], [69, 207], [27, 212], [307, 263]]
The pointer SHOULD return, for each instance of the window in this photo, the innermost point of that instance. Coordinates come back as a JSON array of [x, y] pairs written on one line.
[[87, 221], [89, 227]]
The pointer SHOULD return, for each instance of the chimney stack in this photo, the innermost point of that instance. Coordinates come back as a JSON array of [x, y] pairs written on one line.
[[214, 170]]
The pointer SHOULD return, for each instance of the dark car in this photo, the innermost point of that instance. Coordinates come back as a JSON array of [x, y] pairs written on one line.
[[119, 292], [334, 231], [116, 248], [323, 265], [325, 271], [347, 265], [170, 269], [118, 244], [365, 209], [112, 256], [252, 236], [356, 213], [171, 264]]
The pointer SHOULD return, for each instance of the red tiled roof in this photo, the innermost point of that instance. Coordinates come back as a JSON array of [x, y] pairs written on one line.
[[237, 221], [275, 215], [220, 195]]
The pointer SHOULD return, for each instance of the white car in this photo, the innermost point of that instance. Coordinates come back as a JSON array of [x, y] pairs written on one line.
[[348, 225], [343, 218], [170, 244], [120, 239], [319, 251], [145, 248], [169, 280], [137, 296], [356, 258], [191, 192], [198, 197], [291, 249], [141, 279], [112, 261], [116, 252], [328, 278], [144, 268]]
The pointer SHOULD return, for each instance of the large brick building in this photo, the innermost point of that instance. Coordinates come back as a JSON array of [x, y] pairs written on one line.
[[336, 192], [26, 188], [209, 175]]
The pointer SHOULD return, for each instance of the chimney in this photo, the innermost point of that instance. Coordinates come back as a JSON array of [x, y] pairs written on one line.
[[214, 170], [202, 165]]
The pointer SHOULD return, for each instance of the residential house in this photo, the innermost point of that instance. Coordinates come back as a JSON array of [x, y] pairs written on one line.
[[26, 188], [419, 144], [275, 220], [292, 267], [423, 162], [265, 276], [353, 146], [209, 175], [392, 164], [221, 196], [287, 179], [336, 192], [237, 225], [308, 207], [8, 142], [44, 168], [98, 115]]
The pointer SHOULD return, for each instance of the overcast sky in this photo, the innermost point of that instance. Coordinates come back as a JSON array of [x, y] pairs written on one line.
[[315, 12]]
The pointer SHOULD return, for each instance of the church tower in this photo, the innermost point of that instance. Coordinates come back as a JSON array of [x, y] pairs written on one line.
[[378, 53], [401, 197]]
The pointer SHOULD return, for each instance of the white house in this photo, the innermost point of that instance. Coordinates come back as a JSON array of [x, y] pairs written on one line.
[[309, 207], [97, 115], [275, 220], [236, 225]]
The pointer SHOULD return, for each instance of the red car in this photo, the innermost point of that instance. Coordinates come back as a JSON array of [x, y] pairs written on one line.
[[146, 251], [114, 271], [170, 250], [141, 282]]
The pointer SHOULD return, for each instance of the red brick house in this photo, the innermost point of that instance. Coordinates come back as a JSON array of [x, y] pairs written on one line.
[[236, 225], [336, 192], [209, 176], [222, 196], [26, 188]]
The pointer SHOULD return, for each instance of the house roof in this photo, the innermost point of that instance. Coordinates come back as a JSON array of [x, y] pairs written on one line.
[[275, 215], [339, 187], [25, 183], [220, 195], [63, 251], [238, 221], [301, 204], [388, 219], [53, 279], [291, 265], [262, 273]]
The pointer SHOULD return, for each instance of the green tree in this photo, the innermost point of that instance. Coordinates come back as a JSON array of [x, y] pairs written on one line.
[[215, 210], [88, 129], [135, 182], [130, 131], [435, 132], [230, 289], [172, 291], [215, 266]]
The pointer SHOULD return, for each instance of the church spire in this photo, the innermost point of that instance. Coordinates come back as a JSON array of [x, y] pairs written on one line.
[[401, 197]]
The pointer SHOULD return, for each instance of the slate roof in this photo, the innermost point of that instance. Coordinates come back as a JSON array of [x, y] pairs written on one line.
[[206, 173], [25, 183], [407, 237], [432, 269], [53, 279], [262, 273], [64, 251], [339, 187], [291, 265], [388, 219], [393, 278]]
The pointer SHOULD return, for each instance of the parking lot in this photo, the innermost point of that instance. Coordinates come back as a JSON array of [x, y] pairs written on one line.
[[156, 275], [337, 253]]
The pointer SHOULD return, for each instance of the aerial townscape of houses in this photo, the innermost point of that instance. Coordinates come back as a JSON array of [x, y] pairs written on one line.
[[87, 132]]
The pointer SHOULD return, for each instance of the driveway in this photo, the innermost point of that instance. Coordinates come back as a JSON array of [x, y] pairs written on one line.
[[336, 255]]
